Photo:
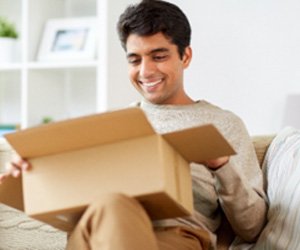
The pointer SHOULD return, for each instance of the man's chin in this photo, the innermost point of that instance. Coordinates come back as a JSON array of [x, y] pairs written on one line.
[[153, 100], [157, 101]]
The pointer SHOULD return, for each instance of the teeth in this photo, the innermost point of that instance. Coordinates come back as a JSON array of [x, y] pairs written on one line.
[[151, 84]]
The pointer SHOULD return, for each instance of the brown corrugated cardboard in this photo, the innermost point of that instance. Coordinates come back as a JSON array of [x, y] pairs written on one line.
[[11, 188], [75, 161], [11, 193]]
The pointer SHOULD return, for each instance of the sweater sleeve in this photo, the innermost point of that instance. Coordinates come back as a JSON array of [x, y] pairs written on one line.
[[239, 186]]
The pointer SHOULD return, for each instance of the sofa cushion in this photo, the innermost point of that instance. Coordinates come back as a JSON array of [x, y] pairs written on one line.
[[282, 171], [20, 232]]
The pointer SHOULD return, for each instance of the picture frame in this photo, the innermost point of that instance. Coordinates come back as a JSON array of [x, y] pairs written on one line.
[[69, 39]]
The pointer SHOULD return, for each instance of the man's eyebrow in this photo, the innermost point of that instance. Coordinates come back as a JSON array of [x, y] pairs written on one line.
[[158, 50], [149, 53], [131, 55]]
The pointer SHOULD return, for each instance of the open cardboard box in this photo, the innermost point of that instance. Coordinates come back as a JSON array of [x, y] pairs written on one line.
[[11, 189], [11, 193], [76, 161]]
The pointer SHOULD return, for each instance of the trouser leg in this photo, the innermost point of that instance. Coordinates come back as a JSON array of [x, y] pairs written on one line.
[[182, 238], [115, 222], [118, 222]]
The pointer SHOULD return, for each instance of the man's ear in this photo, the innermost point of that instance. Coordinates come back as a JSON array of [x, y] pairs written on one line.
[[187, 56]]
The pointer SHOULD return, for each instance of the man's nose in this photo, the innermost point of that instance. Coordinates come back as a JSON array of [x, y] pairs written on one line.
[[147, 68]]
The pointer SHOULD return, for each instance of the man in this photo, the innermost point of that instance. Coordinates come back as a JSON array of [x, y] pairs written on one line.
[[156, 38]]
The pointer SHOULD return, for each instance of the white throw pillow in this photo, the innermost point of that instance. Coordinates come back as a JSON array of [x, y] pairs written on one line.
[[282, 172]]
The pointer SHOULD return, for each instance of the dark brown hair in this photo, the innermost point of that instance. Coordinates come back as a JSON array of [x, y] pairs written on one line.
[[153, 16]]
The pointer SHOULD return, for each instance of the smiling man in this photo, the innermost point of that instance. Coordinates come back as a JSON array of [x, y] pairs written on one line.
[[156, 68], [156, 38]]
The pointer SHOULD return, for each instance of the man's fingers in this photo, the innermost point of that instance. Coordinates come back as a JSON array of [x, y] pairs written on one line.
[[9, 168], [15, 168], [22, 165], [12, 170], [25, 165], [16, 173], [19, 163]]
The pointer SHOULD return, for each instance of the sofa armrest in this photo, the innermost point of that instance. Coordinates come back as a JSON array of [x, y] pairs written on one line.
[[261, 144]]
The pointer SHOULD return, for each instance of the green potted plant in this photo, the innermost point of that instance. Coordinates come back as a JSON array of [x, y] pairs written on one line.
[[8, 41]]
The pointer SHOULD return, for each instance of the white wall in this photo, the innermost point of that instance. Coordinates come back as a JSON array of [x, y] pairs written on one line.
[[246, 58], [120, 91]]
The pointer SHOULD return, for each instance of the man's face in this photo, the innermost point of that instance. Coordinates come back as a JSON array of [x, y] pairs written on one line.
[[155, 68]]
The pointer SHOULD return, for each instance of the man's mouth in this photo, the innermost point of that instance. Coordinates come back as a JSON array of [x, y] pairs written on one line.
[[149, 84]]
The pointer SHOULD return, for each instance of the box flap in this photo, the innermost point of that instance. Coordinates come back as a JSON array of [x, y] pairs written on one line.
[[198, 144], [80, 133]]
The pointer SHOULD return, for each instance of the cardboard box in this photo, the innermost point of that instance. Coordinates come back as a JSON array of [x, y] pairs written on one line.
[[11, 188], [77, 160], [11, 193]]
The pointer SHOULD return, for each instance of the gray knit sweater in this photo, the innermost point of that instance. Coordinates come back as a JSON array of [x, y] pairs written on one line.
[[237, 187]]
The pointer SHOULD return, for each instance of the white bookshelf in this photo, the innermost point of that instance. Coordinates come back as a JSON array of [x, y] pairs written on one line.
[[31, 90]]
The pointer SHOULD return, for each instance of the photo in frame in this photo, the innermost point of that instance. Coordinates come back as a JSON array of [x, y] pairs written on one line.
[[69, 39]]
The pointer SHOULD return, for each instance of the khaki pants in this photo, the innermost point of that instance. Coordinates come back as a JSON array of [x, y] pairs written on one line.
[[118, 222]]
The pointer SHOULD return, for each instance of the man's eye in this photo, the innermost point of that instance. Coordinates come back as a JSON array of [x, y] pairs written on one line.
[[160, 58], [134, 61]]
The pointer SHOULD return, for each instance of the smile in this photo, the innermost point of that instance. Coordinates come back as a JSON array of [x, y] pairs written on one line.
[[151, 84]]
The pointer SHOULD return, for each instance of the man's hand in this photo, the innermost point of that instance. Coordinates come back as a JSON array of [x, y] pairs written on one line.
[[216, 163], [14, 168]]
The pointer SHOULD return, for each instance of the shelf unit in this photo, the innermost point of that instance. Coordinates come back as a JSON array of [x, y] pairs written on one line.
[[31, 90]]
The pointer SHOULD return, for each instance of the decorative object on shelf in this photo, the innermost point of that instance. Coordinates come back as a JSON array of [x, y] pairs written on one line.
[[8, 41], [47, 119], [69, 39], [8, 128]]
